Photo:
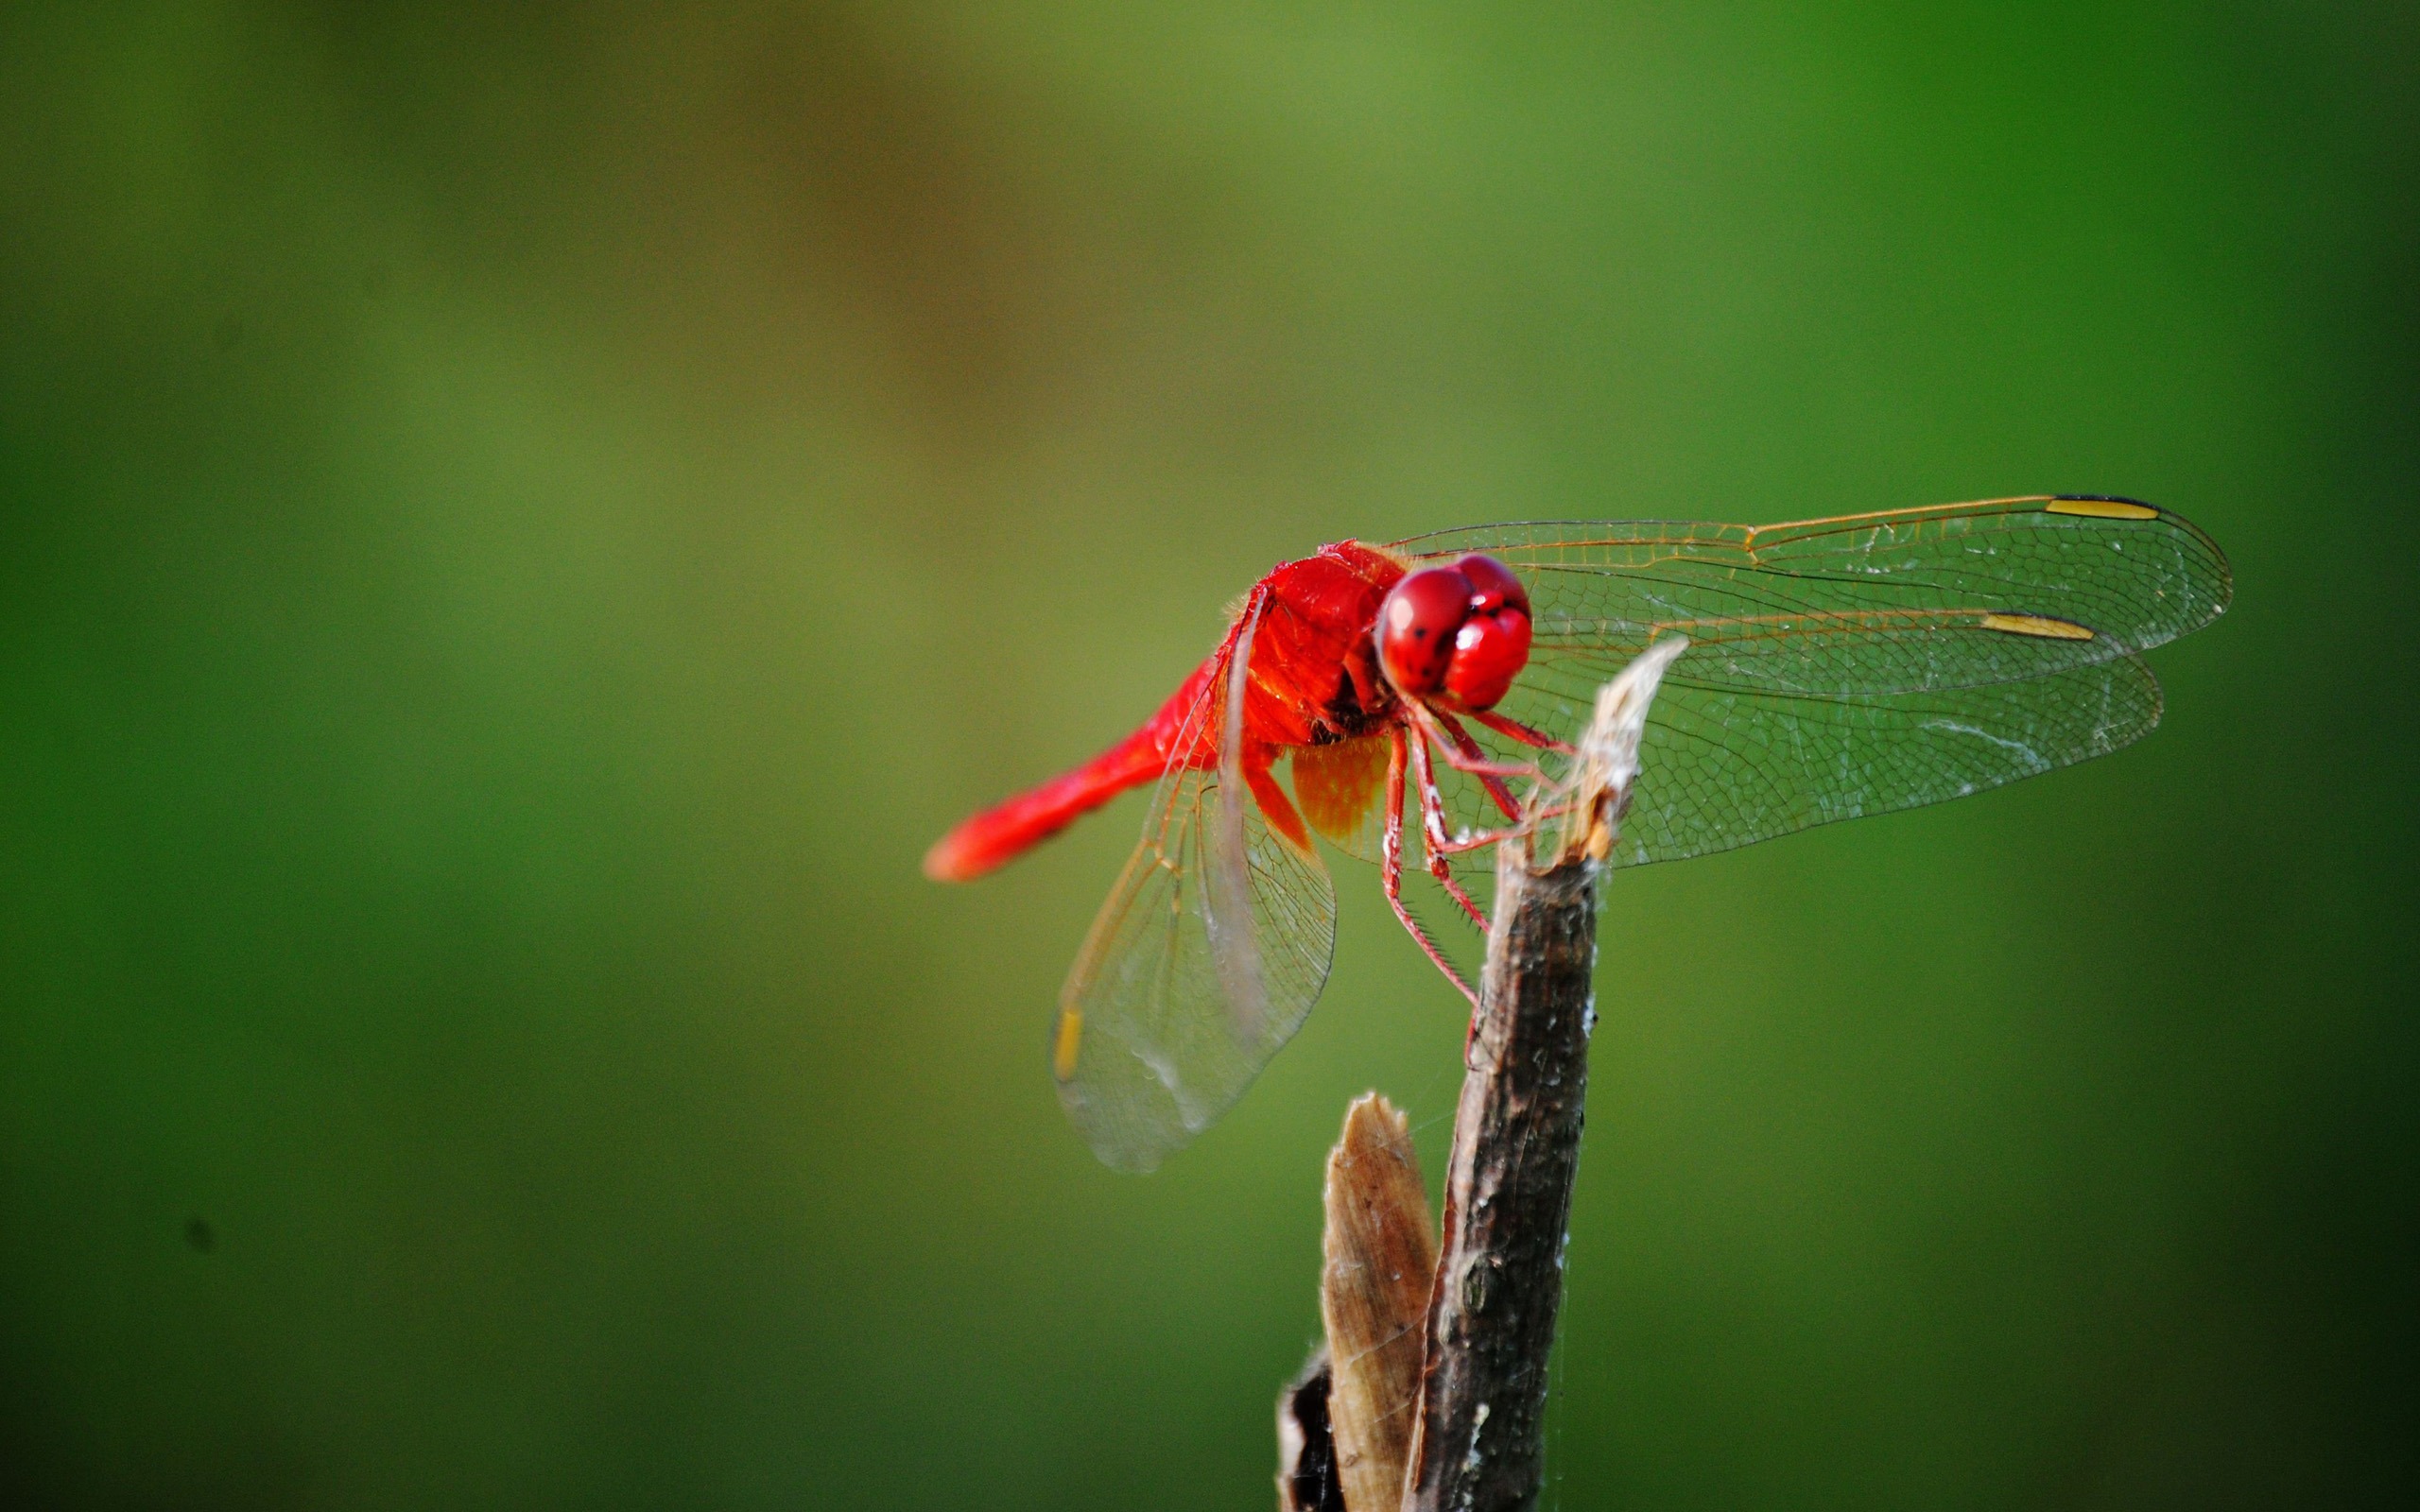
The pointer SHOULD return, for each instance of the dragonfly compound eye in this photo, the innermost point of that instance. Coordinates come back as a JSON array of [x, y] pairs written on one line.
[[1416, 627], [1490, 650], [1492, 585]]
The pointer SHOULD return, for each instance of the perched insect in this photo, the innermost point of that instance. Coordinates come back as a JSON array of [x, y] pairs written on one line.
[[1837, 669]]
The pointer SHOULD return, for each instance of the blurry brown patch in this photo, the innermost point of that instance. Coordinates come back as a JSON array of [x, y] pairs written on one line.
[[887, 172]]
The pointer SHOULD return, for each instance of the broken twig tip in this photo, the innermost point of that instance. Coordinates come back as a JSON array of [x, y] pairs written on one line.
[[1601, 781], [1431, 1394], [1480, 1443]]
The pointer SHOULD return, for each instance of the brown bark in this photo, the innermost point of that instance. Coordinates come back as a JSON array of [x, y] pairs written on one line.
[[1478, 1441], [1479, 1445]]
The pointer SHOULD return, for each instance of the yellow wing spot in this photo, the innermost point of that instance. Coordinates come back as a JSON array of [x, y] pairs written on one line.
[[1337, 785], [2050, 629], [1064, 1045], [2101, 508]]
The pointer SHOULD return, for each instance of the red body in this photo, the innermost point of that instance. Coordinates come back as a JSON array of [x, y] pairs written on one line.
[[1313, 680]]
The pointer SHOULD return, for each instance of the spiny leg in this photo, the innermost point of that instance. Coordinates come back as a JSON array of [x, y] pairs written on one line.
[[1391, 867], [1439, 844], [1432, 818], [1468, 757], [1514, 730], [1462, 754], [1433, 807], [1435, 847]]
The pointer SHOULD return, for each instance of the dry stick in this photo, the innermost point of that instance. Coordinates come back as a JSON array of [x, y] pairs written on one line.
[[1508, 1196], [1466, 1351], [1480, 1444]]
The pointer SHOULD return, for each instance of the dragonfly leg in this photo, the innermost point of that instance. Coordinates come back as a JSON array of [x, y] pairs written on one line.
[[1434, 847], [1473, 761], [1432, 819], [1391, 867], [1481, 839], [1462, 754], [1433, 809], [1514, 730]]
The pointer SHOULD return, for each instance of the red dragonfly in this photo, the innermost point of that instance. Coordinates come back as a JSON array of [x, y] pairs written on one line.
[[1836, 668]]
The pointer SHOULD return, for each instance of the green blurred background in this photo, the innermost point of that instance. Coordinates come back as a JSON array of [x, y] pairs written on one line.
[[519, 523]]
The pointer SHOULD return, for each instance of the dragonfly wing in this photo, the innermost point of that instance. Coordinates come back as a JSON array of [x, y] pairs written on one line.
[[1721, 767], [1183, 992], [1340, 790], [2137, 575], [1851, 666]]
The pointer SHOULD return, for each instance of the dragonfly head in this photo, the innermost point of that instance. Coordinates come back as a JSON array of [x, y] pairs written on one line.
[[1461, 631]]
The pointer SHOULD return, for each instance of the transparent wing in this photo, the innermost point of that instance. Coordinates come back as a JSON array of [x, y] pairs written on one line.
[[1182, 991], [1729, 767], [2137, 575], [1849, 666]]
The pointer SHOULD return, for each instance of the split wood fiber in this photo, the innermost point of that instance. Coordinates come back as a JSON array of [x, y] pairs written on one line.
[[1380, 1261]]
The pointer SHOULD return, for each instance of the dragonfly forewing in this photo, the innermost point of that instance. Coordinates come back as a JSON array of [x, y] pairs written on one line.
[[2137, 575], [1849, 666]]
